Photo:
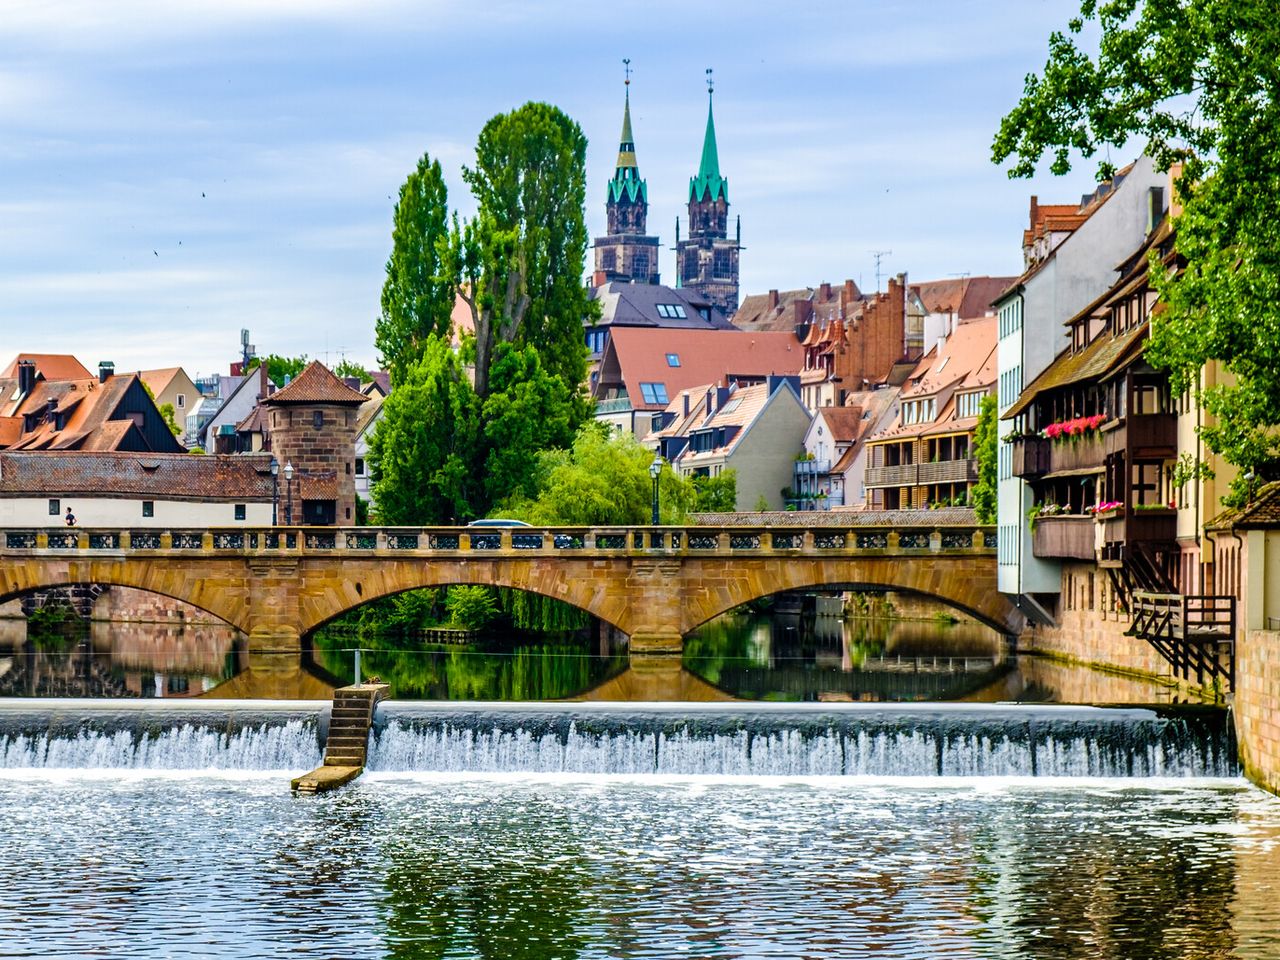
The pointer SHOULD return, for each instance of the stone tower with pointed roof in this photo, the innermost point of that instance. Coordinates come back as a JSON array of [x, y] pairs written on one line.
[[312, 423], [707, 259], [626, 254]]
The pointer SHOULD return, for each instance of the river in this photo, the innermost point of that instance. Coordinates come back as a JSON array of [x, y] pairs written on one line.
[[827, 822]]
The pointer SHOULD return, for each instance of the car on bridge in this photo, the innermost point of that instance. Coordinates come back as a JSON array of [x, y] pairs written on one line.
[[525, 541]]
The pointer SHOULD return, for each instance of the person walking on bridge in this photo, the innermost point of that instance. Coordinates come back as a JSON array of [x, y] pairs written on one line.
[[70, 518]]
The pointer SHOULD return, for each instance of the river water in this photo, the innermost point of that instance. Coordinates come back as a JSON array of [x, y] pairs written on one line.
[[834, 824]]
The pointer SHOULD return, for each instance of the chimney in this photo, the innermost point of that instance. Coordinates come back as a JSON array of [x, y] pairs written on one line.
[[106, 370], [1155, 207], [773, 299], [849, 294], [26, 377], [711, 403], [599, 279], [824, 293], [51, 410], [686, 402], [352, 382]]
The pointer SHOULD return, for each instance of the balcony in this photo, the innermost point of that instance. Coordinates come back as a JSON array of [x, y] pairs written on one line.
[[1119, 531], [1064, 538], [945, 471], [1030, 456], [812, 468], [901, 476], [1152, 435]]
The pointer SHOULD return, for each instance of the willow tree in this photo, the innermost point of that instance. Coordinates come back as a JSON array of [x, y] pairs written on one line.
[[418, 293], [1198, 81]]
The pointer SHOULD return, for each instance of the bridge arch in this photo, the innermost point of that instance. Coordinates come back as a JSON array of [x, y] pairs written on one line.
[[19, 580], [968, 588]]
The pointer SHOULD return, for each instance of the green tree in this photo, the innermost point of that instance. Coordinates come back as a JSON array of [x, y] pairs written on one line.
[[279, 368], [603, 480], [716, 494], [985, 442], [519, 261], [474, 607], [527, 412], [1197, 79], [170, 417], [425, 452], [418, 294], [349, 368]]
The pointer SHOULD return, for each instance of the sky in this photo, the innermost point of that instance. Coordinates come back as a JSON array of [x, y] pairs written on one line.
[[172, 172]]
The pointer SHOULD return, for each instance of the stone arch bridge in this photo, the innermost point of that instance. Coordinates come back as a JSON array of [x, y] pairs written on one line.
[[653, 583]]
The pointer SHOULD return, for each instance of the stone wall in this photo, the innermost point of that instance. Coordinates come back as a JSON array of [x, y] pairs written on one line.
[[1257, 706], [324, 450], [129, 605]]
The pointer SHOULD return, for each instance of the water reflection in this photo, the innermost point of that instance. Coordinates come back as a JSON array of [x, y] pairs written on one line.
[[78, 658]]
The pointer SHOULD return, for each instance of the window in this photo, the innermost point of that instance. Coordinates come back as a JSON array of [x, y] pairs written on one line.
[[317, 420], [672, 311], [55, 508], [240, 511], [968, 404], [608, 260], [673, 359], [359, 466], [180, 401], [654, 393], [640, 266], [148, 508], [723, 264]]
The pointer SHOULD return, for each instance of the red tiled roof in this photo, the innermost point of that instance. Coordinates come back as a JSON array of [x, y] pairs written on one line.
[[704, 356], [316, 384], [843, 422], [173, 476], [157, 381], [51, 366]]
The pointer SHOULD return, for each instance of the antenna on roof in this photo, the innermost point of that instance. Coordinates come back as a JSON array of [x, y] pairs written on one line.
[[879, 255]]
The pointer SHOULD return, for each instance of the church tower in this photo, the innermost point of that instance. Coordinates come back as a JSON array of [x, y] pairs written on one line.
[[626, 254], [707, 260]]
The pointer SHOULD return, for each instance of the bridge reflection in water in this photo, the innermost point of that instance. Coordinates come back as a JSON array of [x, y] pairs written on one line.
[[778, 656]]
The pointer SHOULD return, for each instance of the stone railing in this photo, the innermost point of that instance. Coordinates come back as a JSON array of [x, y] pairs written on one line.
[[823, 540]]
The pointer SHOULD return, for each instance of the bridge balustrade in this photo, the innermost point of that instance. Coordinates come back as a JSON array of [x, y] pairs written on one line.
[[820, 540]]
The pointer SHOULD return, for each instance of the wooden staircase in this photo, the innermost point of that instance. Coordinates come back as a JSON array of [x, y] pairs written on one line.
[[346, 747]]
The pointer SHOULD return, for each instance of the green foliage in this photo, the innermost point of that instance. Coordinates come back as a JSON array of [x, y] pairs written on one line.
[[349, 368], [418, 294], [603, 480], [716, 494], [424, 453], [471, 607], [279, 368], [170, 417], [528, 410], [362, 511], [985, 451], [762, 504], [519, 261], [1197, 80], [198, 451]]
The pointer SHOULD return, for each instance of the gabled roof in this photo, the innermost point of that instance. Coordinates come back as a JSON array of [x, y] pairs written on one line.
[[636, 305], [86, 408], [51, 366], [757, 312], [640, 355], [316, 384], [966, 297], [743, 408], [1100, 358], [158, 381], [368, 412], [177, 476], [1260, 513], [843, 422]]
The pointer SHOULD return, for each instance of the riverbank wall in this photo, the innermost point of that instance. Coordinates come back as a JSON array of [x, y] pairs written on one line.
[[1256, 707]]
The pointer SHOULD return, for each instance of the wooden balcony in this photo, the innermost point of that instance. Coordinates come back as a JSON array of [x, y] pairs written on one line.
[[1030, 456], [1153, 435], [915, 474], [1064, 538], [1085, 452], [1120, 531]]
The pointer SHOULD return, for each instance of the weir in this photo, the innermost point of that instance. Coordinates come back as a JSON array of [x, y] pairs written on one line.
[[952, 740]]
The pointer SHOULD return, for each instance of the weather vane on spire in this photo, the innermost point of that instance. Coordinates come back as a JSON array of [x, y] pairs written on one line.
[[626, 66], [711, 83]]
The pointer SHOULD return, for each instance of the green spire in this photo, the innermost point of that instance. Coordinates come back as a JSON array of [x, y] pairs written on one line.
[[708, 184], [626, 177]]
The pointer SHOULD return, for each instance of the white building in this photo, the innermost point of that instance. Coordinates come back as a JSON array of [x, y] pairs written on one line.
[[134, 491], [1070, 255]]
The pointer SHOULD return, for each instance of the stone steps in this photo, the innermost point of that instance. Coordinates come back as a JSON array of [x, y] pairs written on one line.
[[347, 745]]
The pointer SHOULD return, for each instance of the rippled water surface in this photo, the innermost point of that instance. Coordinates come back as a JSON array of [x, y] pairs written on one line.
[[506, 866]]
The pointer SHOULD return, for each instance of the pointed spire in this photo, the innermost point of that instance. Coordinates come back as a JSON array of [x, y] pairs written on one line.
[[626, 180], [708, 184]]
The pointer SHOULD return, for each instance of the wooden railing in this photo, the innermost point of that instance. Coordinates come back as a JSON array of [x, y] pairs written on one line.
[[1192, 632]]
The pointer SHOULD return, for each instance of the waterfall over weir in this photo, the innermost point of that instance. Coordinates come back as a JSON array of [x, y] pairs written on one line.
[[685, 739]]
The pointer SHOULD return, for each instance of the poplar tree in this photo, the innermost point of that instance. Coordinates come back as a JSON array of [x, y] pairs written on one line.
[[418, 294]]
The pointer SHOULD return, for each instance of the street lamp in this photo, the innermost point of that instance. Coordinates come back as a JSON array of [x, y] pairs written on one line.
[[288, 492], [655, 469], [275, 491]]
